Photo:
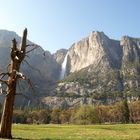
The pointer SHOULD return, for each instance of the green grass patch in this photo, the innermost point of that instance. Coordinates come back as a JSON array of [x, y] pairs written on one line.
[[77, 132]]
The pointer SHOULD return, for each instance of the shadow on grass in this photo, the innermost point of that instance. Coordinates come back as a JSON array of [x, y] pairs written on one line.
[[35, 139]]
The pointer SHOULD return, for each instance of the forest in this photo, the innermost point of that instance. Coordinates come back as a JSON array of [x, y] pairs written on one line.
[[121, 112]]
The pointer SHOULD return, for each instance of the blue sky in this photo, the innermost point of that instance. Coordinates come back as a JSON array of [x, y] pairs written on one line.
[[56, 24]]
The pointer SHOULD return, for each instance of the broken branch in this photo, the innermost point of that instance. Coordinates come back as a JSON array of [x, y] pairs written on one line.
[[32, 67], [4, 81], [4, 74], [21, 94], [36, 46]]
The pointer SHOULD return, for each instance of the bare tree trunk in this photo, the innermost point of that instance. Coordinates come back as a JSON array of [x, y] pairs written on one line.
[[17, 57]]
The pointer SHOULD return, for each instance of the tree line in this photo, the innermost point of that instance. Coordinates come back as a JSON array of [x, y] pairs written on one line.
[[121, 112]]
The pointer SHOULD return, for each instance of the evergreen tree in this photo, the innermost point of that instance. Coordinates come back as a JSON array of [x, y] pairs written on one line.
[[125, 111]]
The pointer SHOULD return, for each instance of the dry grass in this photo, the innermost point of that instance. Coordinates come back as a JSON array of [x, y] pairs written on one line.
[[77, 132]]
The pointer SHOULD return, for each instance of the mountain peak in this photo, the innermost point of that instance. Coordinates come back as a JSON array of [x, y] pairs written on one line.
[[127, 40], [6, 37], [98, 36], [6, 33], [97, 33]]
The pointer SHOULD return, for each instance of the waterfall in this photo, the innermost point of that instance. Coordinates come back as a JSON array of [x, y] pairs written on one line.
[[64, 67], [29, 103]]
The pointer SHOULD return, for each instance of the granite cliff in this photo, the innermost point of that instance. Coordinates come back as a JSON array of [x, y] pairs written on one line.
[[102, 70], [96, 70], [39, 66]]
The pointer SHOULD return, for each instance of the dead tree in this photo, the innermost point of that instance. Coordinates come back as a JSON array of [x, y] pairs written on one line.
[[17, 56]]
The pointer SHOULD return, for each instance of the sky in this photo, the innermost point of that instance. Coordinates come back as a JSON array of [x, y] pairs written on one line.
[[56, 24]]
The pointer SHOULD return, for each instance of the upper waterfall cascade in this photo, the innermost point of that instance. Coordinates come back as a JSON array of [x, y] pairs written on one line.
[[64, 67]]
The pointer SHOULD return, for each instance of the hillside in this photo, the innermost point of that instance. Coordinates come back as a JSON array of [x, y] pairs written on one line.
[[39, 66], [95, 70], [101, 70]]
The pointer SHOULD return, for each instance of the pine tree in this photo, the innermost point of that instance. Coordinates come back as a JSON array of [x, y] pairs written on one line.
[[125, 111]]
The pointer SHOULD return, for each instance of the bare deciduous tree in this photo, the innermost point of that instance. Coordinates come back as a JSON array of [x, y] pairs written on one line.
[[17, 56]]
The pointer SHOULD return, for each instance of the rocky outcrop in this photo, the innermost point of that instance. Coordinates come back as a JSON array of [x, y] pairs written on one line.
[[60, 55], [131, 64], [102, 69], [39, 66], [96, 49], [65, 102], [98, 69]]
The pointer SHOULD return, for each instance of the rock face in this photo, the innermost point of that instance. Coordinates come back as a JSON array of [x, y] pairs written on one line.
[[40, 67], [96, 49], [131, 64], [102, 69], [5, 44], [60, 55], [98, 69]]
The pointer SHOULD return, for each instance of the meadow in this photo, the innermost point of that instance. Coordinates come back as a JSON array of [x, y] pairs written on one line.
[[76, 132]]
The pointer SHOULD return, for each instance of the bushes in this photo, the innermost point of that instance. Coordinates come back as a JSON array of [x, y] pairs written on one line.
[[19, 116], [134, 109], [55, 116], [118, 113], [41, 116], [86, 115]]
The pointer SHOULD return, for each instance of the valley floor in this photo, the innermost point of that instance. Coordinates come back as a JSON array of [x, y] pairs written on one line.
[[77, 132]]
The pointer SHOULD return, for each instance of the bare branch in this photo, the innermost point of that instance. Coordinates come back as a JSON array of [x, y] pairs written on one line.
[[30, 45], [27, 56], [18, 85], [2, 92], [23, 44], [21, 87], [3, 74], [4, 81], [8, 67], [20, 75], [21, 94], [30, 84], [14, 49], [32, 67], [36, 46]]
